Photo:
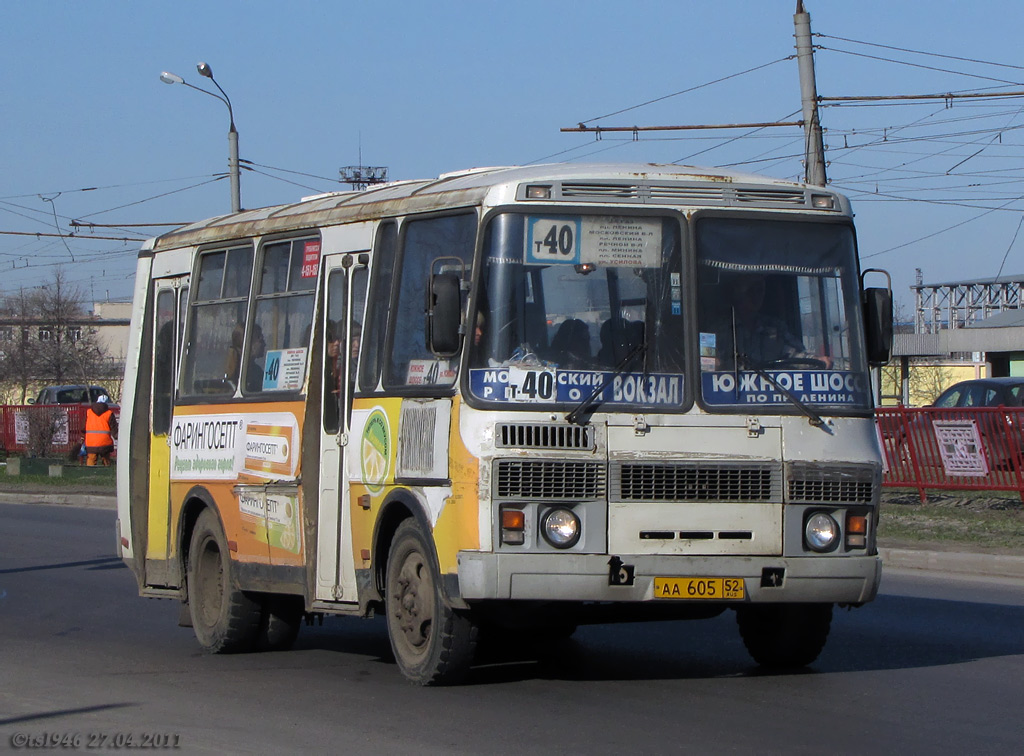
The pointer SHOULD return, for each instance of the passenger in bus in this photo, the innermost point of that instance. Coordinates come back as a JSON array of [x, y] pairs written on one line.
[[257, 353], [233, 364], [353, 346], [570, 348], [619, 337], [332, 375], [760, 337], [332, 359]]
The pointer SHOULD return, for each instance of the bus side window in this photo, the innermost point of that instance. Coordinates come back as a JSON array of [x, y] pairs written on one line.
[[334, 354], [282, 316], [220, 304], [411, 363], [380, 304], [355, 343], [341, 344], [163, 361]]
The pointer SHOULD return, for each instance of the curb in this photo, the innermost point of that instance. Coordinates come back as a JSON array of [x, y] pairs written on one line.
[[70, 499], [991, 565]]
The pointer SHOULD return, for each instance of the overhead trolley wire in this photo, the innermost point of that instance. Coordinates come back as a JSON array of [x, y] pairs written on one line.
[[943, 230], [920, 52], [688, 89], [920, 65]]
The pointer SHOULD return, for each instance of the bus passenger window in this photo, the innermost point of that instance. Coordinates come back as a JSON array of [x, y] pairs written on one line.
[[215, 323], [278, 344], [163, 360], [380, 303]]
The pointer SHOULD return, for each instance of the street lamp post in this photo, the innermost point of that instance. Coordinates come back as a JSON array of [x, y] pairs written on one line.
[[233, 171]]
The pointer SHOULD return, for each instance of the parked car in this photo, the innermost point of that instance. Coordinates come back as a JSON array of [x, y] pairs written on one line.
[[983, 392], [70, 395], [1000, 433]]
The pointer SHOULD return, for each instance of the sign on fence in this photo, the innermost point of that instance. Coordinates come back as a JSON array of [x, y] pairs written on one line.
[[960, 447]]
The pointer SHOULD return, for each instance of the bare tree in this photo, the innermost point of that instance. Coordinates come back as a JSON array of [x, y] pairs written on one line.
[[18, 358], [53, 338], [927, 380]]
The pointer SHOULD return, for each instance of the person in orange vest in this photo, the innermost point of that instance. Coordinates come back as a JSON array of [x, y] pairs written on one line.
[[100, 432]]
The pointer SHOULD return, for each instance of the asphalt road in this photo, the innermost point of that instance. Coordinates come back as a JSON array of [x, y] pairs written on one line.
[[935, 665]]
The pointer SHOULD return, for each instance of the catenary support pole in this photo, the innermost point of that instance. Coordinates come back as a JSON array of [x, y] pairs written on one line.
[[814, 152]]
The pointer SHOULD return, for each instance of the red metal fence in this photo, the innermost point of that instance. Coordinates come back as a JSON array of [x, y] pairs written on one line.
[[45, 430], [980, 448]]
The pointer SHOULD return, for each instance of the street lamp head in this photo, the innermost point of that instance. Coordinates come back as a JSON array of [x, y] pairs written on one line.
[[204, 69], [168, 78]]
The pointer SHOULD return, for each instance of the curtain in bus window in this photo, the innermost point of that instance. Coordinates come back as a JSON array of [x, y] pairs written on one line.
[[411, 363]]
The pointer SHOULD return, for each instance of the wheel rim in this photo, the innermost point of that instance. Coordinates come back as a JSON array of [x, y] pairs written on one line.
[[211, 583], [412, 602]]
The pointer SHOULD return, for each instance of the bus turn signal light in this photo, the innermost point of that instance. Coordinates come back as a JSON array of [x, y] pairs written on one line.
[[856, 531], [513, 527]]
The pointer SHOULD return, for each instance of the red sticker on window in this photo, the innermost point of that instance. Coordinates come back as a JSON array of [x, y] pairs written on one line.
[[311, 259]]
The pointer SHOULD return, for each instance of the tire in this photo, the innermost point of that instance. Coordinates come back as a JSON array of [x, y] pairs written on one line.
[[280, 621], [433, 643], [784, 636], [225, 619]]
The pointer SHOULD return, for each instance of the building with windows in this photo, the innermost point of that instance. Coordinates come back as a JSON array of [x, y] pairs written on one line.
[[107, 326], [968, 329]]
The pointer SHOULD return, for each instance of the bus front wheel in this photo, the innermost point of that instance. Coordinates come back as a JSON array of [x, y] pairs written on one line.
[[784, 636], [433, 643], [224, 618]]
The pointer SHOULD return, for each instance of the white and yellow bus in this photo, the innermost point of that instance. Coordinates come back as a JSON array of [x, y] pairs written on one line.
[[510, 398]]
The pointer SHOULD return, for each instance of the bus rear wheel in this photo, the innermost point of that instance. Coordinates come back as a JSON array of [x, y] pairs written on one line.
[[433, 643], [224, 618], [784, 636]]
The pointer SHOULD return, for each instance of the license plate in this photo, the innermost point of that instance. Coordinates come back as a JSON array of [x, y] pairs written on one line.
[[698, 588]]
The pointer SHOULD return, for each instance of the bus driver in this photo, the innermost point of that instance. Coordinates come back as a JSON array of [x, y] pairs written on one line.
[[760, 338]]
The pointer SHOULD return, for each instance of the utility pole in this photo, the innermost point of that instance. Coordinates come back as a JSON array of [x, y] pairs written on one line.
[[814, 147]]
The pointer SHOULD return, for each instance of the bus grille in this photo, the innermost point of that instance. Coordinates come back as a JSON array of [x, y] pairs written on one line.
[[549, 479], [836, 484], [765, 196], [680, 194], [543, 436], [696, 481], [600, 191]]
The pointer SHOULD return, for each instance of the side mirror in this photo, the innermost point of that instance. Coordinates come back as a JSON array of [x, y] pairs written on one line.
[[878, 325], [31, 401], [444, 315]]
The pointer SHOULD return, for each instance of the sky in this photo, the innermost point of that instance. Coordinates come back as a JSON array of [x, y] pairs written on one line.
[[91, 135]]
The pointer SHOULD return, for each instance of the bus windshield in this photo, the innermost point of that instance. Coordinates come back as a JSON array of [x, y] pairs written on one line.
[[778, 309], [573, 304]]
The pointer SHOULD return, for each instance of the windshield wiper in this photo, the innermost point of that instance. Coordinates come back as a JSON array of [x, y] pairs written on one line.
[[748, 364], [575, 415]]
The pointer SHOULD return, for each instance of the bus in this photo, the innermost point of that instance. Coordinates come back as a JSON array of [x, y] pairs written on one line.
[[506, 402]]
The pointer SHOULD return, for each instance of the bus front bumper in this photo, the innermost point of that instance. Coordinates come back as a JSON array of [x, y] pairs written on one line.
[[591, 577]]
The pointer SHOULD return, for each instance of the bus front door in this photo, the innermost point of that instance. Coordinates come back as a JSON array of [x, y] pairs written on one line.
[[171, 298], [341, 320]]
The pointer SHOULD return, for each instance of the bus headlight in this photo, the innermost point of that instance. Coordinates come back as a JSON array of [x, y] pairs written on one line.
[[821, 532], [561, 528]]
